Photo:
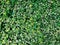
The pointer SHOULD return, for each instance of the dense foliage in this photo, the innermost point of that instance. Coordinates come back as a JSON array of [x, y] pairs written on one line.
[[29, 22]]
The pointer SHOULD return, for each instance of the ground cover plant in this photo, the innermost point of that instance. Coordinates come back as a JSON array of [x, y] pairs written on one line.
[[29, 22]]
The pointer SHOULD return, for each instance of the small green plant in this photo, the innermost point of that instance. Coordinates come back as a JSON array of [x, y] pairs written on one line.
[[29, 22]]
